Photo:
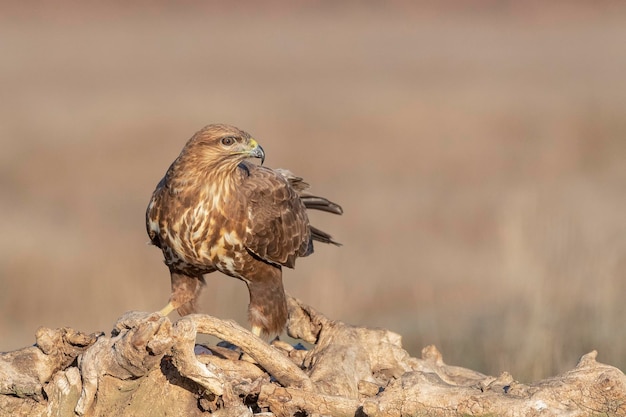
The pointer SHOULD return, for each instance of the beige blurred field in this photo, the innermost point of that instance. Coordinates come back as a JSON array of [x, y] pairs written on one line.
[[479, 153]]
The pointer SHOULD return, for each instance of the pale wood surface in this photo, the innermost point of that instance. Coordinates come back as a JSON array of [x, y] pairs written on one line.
[[150, 367]]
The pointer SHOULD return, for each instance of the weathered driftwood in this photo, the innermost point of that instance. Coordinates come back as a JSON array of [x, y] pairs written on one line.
[[151, 367]]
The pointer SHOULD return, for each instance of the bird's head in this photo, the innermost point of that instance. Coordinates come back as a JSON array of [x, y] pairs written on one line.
[[222, 145]]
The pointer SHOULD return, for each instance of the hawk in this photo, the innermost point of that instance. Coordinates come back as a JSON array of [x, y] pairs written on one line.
[[214, 210]]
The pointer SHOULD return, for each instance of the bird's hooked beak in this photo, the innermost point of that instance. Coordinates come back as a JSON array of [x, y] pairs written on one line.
[[256, 151]]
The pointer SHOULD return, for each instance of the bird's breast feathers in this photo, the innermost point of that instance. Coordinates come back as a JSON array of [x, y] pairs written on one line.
[[196, 228], [218, 225]]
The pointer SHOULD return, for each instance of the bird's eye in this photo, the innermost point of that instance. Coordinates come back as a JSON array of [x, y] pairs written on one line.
[[227, 141]]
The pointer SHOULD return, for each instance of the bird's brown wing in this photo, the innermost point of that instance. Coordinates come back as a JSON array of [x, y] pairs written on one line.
[[312, 202], [153, 213], [277, 225]]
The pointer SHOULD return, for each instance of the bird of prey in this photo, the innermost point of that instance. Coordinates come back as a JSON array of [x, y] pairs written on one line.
[[215, 210]]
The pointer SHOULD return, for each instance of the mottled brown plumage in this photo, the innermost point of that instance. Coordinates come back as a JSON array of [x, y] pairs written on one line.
[[215, 210]]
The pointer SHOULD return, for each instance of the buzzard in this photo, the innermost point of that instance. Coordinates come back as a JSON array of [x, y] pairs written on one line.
[[216, 211]]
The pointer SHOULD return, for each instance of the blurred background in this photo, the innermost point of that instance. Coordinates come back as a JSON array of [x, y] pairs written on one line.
[[478, 150]]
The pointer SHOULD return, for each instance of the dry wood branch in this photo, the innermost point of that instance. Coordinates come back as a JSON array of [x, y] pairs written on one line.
[[140, 340], [150, 367], [184, 359], [23, 372], [288, 401], [270, 359]]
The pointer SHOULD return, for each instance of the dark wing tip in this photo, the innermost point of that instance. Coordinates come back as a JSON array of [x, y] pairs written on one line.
[[321, 236], [320, 203]]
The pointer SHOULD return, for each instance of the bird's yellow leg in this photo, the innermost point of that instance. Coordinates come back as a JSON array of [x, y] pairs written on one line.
[[256, 330], [167, 309]]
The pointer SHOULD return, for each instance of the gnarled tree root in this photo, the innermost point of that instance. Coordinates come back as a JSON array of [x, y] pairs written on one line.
[[149, 366]]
